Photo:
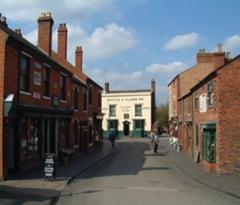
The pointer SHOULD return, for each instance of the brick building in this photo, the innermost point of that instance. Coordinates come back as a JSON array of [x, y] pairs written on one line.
[[216, 118], [47, 104], [180, 85]]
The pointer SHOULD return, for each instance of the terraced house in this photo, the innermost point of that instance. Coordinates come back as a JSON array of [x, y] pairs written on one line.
[[47, 103], [208, 116]]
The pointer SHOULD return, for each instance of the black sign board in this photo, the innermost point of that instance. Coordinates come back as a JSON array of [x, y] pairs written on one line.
[[49, 166]]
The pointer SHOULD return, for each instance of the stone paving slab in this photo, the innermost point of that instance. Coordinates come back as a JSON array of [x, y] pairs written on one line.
[[34, 184], [226, 183]]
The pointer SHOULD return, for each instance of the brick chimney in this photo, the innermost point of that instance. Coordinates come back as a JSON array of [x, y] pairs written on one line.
[[106, 87], [217, 58], [3, 20], [153, 85], [62, 41], [79, 58], [45, 23]]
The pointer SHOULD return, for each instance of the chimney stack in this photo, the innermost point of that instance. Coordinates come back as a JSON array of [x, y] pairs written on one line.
[[62, 41], [3, 20], [18, 31], [79, 58], [45, 23], [153, 86], [106, 87]]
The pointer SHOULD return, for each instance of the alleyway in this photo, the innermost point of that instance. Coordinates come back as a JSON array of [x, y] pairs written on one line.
[[136, 176]]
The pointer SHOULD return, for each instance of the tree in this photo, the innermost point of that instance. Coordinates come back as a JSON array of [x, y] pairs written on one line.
[[162, 115]]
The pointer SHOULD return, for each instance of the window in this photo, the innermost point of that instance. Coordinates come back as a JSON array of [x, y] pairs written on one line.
[[196, 102], [30, 131], [24, 73], [112, 110], [138, 110], [90, 96], [63, 87], [210, 94], [99, 99], [46, 80], [85, 101], [75, 97], [197, 135]]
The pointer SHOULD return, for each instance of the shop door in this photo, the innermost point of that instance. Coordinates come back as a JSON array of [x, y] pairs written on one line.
[[113, 127], [209, 145], [139, 128], [126, 128]]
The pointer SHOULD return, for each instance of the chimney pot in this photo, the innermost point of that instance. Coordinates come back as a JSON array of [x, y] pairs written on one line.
[[3, 20], [62, 40], [18, 31], [79, 58]]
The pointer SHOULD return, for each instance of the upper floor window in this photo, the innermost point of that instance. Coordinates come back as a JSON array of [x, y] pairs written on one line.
[[75, 97], [196, 102], [112, 110], [24, 73], [138, 110], [85, 100], [90, 96], [210, 97], [99, 99], [46, 80], [63, 87]]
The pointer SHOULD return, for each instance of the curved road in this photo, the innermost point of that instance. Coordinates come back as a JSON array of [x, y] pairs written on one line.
[[136, 176]]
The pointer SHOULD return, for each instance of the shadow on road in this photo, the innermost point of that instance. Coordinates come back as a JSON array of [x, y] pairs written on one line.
[[129, 161]]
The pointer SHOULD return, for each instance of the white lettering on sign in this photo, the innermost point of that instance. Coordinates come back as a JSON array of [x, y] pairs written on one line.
[[203, 103]]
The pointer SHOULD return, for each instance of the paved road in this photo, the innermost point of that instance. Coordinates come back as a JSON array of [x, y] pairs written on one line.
[[136, 176]]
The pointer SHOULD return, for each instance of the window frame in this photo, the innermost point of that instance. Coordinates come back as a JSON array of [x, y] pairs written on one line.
[[138, 113], [112, 114], [24, 77], [210, 94]]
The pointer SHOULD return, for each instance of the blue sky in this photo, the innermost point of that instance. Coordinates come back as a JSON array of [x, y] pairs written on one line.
[[127, 43]]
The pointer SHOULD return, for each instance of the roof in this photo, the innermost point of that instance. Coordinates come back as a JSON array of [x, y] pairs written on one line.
[[129, 91], [67, 66], [214, 73]]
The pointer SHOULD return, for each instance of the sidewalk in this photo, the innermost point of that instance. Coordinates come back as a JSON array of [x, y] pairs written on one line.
[[33, 184], [228, 184]]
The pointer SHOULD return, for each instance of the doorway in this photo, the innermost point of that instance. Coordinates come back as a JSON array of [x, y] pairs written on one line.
[[126, 128]]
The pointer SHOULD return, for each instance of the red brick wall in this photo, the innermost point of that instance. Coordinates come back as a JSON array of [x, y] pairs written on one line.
[[3, 39], [229, 116]]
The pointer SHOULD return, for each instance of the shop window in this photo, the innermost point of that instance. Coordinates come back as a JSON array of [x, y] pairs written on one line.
[[138, 110], [63, 86], [210, 98], [196, 102], [112, 110], [29, 145], [46, 80], [24, 73]]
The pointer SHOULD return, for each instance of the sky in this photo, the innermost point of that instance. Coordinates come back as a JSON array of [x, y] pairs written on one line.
[[128, 43]]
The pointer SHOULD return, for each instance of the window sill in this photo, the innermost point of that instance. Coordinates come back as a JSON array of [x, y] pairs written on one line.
[[25, 93], [46, 98], [63, 101]]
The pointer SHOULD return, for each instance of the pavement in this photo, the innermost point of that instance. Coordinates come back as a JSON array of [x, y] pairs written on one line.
[[33, 184], [225, 183]]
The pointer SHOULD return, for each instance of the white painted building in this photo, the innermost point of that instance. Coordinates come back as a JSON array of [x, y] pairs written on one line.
[[128, 112]]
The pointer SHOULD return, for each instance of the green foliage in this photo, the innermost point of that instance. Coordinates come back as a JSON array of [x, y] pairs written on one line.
[[162, 115]]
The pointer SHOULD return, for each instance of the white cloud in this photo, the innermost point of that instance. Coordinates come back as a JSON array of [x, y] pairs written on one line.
[[108, 41], [182, 41], [102, 43], [29, 10], [175, 66], [231, 43]]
